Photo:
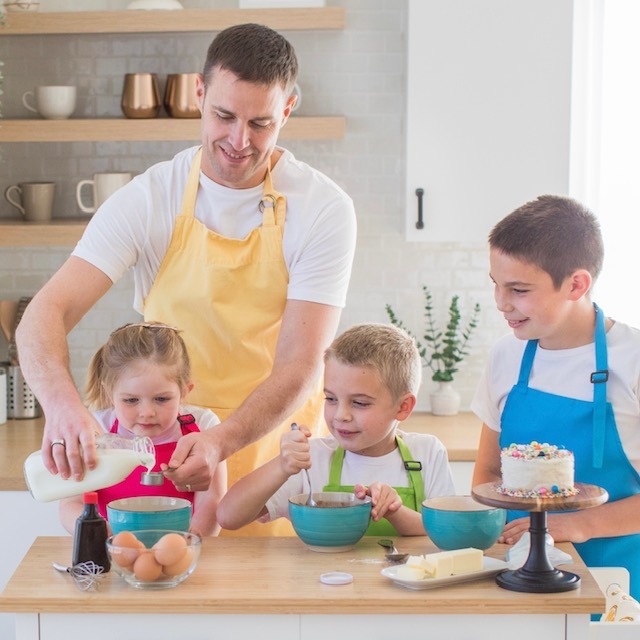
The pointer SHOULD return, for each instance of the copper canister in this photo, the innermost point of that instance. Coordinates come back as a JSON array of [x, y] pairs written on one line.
[[141, 95], [180, 97]]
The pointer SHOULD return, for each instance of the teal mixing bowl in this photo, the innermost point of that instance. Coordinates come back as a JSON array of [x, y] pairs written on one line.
[[336, 524], [458, 522], [149, 512]]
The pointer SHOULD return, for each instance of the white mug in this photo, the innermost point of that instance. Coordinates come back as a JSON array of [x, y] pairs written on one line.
[[104, 184], [52, 103]]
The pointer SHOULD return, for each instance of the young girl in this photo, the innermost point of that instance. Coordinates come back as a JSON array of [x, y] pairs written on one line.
[[135, 385]]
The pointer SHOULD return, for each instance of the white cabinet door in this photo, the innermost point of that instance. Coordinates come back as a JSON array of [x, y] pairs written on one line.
[[488, 120]]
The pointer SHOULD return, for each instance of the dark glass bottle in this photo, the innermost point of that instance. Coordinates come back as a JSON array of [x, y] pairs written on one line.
[[90, 540]]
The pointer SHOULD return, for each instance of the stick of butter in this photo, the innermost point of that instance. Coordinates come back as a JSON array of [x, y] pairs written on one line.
[[406, 572], [441, 564], [438, 565], [466, 560]]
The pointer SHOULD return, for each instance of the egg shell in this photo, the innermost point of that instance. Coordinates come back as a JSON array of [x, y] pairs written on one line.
[[146, 568], [125, 549], [181, 566], [170, 549]]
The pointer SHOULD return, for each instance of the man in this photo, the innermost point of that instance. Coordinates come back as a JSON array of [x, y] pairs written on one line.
[[245, 249]]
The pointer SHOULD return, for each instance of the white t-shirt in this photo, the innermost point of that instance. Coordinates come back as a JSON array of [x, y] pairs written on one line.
[[566, 372], [205, 419], [133, 227], [357, 469]]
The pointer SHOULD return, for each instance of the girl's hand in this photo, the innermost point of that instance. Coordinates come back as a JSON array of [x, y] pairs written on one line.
[[295, 452], [383, 499]]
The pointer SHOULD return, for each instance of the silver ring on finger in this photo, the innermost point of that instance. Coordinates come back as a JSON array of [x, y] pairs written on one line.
[[58, 441]]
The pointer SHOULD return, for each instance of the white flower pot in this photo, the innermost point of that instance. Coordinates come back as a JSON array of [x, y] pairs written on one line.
[[445, 400]]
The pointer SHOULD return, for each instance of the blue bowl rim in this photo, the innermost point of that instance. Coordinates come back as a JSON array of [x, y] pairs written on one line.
[[173, 504], [325, 495], [479, 506]]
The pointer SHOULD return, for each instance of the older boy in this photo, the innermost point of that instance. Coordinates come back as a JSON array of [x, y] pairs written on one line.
[[372, 376], [568, 375]]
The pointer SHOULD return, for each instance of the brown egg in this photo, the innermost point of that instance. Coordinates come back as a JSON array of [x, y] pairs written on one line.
[[146, 568], [181, 566], [126, 548], [170, 549]]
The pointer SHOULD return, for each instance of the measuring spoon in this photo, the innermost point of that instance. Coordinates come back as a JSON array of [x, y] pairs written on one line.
[[393, 555]]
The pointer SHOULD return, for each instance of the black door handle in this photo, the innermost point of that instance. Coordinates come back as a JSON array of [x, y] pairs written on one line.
[[420, 223]]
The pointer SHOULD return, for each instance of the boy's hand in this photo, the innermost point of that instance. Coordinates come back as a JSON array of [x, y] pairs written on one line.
[[563, 527], [383, 499], [295, 452]]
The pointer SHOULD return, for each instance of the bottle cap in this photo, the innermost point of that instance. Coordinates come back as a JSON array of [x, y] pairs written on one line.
[[91, 497]]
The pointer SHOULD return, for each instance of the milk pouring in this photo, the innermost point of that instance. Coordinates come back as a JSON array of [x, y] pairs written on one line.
[[117, 458]]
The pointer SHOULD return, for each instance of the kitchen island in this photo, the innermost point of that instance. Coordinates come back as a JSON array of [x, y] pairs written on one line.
[[18, 438], [269, 587]]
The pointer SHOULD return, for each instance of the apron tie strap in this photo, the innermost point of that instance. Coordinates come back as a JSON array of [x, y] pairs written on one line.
[[599, 380]]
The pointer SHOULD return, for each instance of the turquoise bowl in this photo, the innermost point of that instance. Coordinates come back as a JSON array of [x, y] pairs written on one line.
[[149, 512], [336, 524], [458, 522]]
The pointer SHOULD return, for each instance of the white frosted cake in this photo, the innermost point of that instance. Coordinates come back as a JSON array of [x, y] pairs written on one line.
[[537, 471]]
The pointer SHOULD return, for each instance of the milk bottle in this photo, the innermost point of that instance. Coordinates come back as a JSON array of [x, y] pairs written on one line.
[[117, 458]]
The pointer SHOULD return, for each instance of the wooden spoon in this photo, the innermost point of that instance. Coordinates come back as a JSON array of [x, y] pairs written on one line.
[[8, 310]]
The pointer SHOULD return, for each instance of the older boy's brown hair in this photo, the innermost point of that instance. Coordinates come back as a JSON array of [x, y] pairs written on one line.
[[388, 350], [555, 233]]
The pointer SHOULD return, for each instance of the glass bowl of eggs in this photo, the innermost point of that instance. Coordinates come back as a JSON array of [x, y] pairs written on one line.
[[154, 558]]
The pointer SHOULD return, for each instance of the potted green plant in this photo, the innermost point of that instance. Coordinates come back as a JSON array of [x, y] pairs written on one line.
[[442, 350]]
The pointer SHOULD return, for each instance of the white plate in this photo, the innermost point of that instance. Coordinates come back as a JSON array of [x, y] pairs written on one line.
[[490, 567]]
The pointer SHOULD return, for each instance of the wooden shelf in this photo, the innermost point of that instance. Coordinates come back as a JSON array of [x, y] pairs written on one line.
[[57, 233], [67, 231], [41, 23], [119, 129]]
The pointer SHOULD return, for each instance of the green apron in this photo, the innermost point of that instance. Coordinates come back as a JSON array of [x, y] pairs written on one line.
[[412, 496]]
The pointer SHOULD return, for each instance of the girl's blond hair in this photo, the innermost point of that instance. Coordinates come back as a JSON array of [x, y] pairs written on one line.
[[145, 341], [387, 349]]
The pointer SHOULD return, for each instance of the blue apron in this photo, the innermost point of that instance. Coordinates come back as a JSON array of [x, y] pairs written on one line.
[[589, 430], [412, 496]]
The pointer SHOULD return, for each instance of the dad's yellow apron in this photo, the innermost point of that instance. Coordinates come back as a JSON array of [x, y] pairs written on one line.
[[228, 297]]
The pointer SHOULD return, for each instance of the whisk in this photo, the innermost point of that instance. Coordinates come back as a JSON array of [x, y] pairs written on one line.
[[84, 574]]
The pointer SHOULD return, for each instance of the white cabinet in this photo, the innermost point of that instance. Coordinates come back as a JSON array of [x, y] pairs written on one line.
[[488, 115]]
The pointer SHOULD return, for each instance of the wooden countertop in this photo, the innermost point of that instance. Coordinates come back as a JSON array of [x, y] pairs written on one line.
[[18, 438], [460, 434], [226, 581]]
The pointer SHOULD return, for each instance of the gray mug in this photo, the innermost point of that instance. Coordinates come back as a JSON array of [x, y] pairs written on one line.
[[35, 202]]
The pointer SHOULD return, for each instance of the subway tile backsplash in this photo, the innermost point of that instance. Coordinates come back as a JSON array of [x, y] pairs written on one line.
[[358, 73]]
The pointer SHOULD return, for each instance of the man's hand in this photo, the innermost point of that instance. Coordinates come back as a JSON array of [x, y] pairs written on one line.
[[69, 441], [193, 462]]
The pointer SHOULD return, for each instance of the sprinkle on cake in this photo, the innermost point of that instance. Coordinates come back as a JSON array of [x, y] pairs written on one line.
[[537, 470]]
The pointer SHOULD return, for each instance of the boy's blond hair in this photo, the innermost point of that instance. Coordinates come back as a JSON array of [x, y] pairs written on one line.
[[388, 350], [144, 341]]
